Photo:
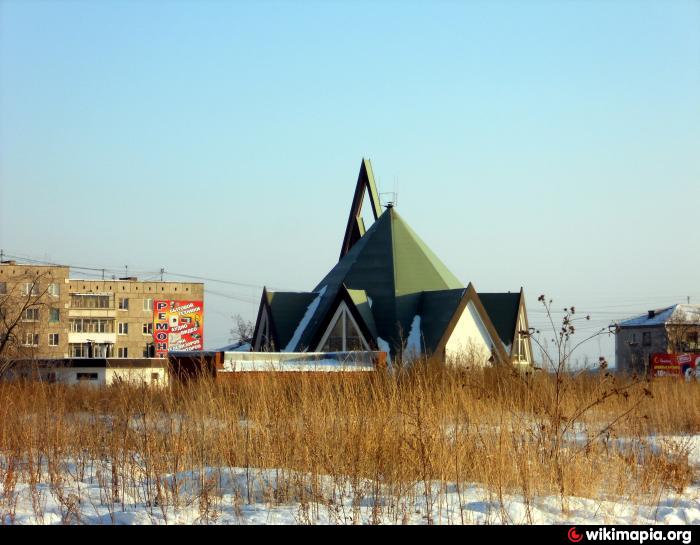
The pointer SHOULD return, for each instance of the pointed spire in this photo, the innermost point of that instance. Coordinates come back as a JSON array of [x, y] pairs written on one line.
[[356, 227]]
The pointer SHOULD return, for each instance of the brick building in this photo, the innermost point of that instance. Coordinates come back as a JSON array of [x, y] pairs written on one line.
[[45, 314]]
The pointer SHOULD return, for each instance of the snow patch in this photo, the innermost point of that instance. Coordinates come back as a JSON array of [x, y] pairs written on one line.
[[299, 331], [413, 344], [384, 347]]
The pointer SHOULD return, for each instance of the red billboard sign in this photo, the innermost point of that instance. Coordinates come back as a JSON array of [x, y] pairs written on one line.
[[675, 365], [177, 325]]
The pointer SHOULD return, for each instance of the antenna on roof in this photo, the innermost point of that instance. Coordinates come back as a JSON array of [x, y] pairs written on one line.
[[396, 190], [392, 202]]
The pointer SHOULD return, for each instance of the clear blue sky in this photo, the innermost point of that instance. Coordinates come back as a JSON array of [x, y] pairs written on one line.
[[550, 145]]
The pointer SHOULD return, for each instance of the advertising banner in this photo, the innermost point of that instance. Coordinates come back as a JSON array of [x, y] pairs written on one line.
[[675, 365], [177, 326]]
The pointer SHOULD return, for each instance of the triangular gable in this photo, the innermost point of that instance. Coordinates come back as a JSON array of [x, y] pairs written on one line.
[[522, 325], [356, 227], [470, 302], [281, 312], [325, 322], [264, 335]]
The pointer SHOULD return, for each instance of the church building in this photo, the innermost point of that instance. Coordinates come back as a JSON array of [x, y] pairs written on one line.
[[390, 292]]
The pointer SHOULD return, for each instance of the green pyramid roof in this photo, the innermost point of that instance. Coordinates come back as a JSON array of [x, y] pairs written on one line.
[[393, 267]]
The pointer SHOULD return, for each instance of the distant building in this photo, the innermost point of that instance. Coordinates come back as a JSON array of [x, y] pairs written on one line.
[[669, 330], [390, 292], [61, 317], [94, 371]]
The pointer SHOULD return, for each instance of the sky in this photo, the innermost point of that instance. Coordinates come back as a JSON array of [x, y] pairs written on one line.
[[553, 145]]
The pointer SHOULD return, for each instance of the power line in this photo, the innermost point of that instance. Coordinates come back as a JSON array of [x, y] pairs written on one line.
[[152, 273]]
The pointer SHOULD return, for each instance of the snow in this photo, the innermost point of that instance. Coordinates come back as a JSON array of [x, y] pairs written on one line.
[[413, 344], [240, 346], [299, 331], [306, 364], [384, 347], [238, 495]]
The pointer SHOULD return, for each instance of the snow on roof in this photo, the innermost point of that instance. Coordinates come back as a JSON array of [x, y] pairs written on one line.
[[310, 311], [239, 346], [384, 347], [413, 341], [675, 314]]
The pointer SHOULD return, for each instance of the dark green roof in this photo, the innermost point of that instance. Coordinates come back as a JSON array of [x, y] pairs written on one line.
[[393, 266], [436, 311], [502, 309], [287, 309]]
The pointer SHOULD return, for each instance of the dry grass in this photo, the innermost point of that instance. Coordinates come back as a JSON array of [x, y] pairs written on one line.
[[372, 435]]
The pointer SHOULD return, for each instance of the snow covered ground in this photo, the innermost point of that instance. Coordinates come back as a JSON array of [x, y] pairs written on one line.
[[269, 496]]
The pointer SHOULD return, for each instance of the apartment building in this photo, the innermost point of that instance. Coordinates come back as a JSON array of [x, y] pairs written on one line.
[[49, 315]]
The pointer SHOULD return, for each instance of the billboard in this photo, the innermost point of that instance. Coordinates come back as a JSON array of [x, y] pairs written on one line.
[[177, 325], [675, 365]]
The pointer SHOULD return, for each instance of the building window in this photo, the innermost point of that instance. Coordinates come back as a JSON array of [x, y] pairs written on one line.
[[78, 351], [3, 288], [148, 328], [54, 315], [30, 315], [148, 304], [53, 289], [123, 328], [86, 376], [30, 339], [91, 325], [344, 336], [85, 300], [148, 351], [155, 377], [123, 303], [53, 339], [30, 288], [123, 352], [646, 338], [335, 339]]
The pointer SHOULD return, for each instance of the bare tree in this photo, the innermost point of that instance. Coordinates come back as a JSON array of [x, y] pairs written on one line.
[[242, 329], [683, 336], [21, 302]]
